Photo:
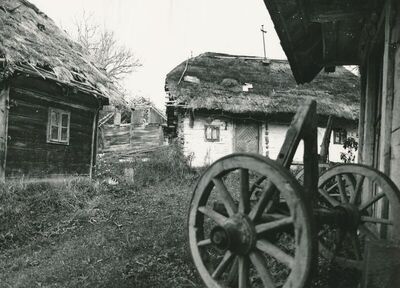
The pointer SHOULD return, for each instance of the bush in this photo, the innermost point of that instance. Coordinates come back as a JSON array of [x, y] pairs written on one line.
[[166, 163]]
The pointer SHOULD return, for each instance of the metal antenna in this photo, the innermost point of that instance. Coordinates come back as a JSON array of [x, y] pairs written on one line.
[[263, 32]]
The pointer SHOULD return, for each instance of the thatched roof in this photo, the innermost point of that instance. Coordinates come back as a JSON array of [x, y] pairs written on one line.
[[31, 42], [214, 81]]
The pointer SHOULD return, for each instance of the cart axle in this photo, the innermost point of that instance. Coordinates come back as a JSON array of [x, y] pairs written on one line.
[[237, 234]]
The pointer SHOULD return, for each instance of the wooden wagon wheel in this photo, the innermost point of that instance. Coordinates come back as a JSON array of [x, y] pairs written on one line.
[[367, 207], [232, 248]]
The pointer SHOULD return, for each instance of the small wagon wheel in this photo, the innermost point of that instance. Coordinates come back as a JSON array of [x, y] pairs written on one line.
[[232, 247], [367, 207]]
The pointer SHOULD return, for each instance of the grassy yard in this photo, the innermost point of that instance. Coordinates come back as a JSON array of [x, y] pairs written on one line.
[[82, 233], [85, 233]]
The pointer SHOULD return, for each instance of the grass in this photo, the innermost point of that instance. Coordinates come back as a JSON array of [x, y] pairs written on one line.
[[83, 233], [88, 233]]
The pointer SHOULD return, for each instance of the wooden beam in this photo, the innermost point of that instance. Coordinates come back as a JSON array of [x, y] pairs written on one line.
[[332, 11], [324, 151], [40, 96], [361, 118], [93, 149], [329, 40], [395, 136], [333, 16], [370, 111], [387, 94], [4, 98], [387, 107]]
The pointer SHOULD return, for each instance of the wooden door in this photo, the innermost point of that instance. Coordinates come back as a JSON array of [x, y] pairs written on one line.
[[246, 137]]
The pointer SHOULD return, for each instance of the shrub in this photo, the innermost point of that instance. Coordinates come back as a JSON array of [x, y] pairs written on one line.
[[166, 163]]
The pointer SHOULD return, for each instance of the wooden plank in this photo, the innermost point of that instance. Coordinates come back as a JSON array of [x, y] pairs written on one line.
[[370, 111], [386, 108], [4, 98], [395, 140], [382, 265], [324, 151], [41, 96], [93, 148]]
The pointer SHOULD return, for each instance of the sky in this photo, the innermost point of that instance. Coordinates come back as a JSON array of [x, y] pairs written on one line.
[[164, 33]]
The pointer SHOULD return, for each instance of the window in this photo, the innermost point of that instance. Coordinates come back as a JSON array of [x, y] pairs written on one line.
[[211, 133], [339, 136], [58, 126]]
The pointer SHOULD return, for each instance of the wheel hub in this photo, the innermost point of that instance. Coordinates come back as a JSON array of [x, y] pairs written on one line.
[[350, 217], [237, 235]]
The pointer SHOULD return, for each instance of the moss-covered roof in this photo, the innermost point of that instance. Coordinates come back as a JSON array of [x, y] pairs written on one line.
[[214, 81]]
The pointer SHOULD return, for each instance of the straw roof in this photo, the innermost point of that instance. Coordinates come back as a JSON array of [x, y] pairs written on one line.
[[214, 81], [31, 42]]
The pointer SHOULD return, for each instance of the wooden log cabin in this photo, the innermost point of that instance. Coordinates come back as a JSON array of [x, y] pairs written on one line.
[[219, 104], [320, 35], [50, 97]]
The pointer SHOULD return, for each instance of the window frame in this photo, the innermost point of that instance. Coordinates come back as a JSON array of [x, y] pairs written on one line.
[[59, 126], [213, 128], [342, 136]]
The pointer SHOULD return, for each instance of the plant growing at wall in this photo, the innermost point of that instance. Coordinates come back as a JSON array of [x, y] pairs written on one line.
[[351, 147]]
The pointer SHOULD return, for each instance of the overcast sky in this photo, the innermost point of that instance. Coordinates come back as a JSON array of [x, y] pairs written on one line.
[[163, 33]]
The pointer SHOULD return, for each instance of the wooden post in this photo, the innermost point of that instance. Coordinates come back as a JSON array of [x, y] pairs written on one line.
[[386, 108], [93, 152], [324, 152], [370, 112], [4, 98], [361, 121], [395, 140]]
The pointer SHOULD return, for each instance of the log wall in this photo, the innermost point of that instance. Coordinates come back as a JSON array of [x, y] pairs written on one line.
[[28, 153]]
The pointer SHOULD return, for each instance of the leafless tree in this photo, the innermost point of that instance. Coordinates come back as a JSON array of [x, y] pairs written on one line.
[[101, 44]]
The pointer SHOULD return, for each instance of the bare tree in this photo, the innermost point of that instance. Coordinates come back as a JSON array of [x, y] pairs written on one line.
[[101, 44]]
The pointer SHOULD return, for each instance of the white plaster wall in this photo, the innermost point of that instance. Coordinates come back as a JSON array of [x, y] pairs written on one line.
[[277, 133], [203, 152]]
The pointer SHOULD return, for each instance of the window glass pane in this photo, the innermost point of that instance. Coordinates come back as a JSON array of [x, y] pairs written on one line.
[[64, 120], [54, 118], [64, 134], [208, 132], [54, 133], [214, 134]]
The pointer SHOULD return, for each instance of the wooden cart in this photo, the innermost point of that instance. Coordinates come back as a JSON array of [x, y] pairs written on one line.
[[239, 238]]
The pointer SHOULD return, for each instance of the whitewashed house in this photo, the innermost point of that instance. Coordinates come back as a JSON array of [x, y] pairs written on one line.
[[219, 104]]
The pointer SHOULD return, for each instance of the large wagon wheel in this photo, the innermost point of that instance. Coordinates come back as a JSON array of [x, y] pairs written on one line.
[[236, 247], [367, 207]]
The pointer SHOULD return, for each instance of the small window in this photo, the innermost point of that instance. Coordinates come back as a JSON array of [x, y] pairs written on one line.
[[58, 126], [211, 133], [339, 136]]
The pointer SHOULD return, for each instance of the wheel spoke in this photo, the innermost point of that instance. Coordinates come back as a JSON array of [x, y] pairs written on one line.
[[273, 224], [274, 251], [228, 258], [266, 195], [225, 196], [376, 220], [367, 232], [357, 191], [244, 201], [342, 189], [233, 277], [329, 198], [243, 271], [261, 266], [371, 201], [218, 218], [204, 242]]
